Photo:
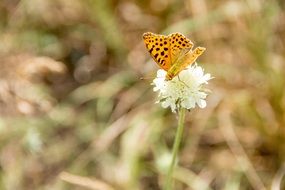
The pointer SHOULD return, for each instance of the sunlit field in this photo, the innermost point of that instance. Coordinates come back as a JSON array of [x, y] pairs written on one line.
[[75, 113]]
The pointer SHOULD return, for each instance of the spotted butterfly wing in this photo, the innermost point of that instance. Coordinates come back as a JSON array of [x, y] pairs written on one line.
[[184, 59], [173, 53], [181, 54], [178, 42], [158, 47]]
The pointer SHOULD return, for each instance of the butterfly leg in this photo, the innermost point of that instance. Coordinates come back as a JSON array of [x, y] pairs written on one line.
[[182, 81]]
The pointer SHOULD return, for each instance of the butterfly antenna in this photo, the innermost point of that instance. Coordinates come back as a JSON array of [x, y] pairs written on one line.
[[149, 78], [182, 81]]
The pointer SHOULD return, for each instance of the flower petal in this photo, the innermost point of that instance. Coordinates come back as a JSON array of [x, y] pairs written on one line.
[[185, 91], [202, 103]]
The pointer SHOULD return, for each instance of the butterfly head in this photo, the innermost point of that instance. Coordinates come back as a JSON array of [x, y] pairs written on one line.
[[169, 76]]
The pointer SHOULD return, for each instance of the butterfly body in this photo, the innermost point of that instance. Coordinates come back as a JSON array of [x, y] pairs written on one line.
[[173, 53]]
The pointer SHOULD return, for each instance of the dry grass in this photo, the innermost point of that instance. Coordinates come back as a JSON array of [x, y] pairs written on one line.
[[74, 114]]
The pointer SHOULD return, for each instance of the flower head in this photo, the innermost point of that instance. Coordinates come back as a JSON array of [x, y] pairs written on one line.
[[183, 91]]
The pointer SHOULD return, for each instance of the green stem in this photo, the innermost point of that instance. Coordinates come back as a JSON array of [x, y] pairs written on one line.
[[178, 138]]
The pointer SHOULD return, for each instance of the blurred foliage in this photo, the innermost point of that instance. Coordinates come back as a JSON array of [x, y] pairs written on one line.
[[74, 114]]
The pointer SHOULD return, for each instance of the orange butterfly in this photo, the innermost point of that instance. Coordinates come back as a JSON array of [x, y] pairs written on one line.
[[173, 53]]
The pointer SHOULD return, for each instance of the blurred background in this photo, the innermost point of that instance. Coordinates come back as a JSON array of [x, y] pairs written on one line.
[[74, 113]]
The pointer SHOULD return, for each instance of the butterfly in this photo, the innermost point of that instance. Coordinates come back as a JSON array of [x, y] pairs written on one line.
[[173, 53]]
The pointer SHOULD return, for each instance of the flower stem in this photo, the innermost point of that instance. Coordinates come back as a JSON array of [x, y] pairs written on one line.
[[178, 138]]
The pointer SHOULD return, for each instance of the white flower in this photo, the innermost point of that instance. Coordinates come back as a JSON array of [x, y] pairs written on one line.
[[183, 91]]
